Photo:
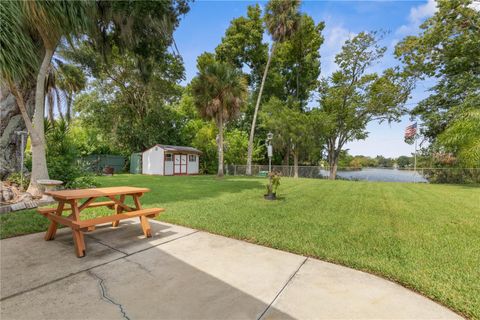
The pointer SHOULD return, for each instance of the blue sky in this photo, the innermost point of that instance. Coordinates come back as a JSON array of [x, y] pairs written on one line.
[[203, 27]]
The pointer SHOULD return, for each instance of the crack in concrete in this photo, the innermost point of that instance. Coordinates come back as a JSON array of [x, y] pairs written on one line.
[[103, 291], [283, 288], [93, 267]]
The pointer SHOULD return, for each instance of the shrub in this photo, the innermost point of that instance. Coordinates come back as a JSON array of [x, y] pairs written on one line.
[[62, 155], [273, 181], [16, 179], [86, 181]]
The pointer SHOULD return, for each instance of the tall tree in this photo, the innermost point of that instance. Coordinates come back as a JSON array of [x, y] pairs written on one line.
[[18, 61], [70, 79], [351, 97], [290, 127], [39, 27], [219, 91], [297, 61], [131, 113], [295, 70], [447, 49], [243, 46], [281, 18], [36, 28]]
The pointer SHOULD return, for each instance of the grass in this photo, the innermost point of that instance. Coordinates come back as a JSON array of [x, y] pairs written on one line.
[[426, 237]]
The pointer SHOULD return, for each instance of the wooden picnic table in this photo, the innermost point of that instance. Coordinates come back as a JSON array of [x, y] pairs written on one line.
[[116, 196]]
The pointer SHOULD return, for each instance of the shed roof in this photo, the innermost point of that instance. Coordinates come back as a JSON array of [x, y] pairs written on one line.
[[177, 148]]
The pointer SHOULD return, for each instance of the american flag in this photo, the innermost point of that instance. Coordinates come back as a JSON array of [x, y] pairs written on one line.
[[411, 131]]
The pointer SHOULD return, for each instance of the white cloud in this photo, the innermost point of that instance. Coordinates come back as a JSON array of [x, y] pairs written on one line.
[[475, 5], [417, 15], [335, 37]]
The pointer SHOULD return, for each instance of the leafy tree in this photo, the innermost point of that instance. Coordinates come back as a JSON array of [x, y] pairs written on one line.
[[236, 144], [131, 113], [297, 61], [205, 140], [383, 162], [219, 92], [243, 46], [290, 127], [281, 19], [446, 49], [351, 97], [404, 161], [295, 69], [462, 137]]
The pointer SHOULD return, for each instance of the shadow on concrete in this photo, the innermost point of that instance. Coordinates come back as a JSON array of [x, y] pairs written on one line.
[[148, 284]]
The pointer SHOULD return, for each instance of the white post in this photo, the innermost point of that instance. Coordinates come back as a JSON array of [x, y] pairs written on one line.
[[270, 155]]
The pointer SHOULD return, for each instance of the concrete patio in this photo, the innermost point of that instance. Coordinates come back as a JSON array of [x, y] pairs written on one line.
[[181, 273]]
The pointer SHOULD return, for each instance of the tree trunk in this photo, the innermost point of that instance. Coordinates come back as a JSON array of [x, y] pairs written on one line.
[[51, 116], [333, 170], [59, 108], [286, 157], [39, 159], [332, 160], [254, 121], [220, 147], [11, 121], [295, 164], [68, 113]]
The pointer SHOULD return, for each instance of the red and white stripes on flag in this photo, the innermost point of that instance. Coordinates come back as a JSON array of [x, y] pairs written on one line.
[[411, 131]]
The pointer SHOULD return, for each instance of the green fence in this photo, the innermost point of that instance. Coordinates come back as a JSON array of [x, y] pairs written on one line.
[[97, 162], [136, 163]]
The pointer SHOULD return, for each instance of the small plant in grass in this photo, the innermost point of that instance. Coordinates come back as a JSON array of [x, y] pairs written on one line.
[[272, 186]]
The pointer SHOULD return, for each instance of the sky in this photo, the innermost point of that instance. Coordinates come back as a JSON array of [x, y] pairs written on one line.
[[203, 27]]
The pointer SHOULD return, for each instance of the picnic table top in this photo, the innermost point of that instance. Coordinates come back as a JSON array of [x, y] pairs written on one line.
[[95, 192]]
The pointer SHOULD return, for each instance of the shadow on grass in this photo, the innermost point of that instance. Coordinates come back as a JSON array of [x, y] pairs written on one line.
[[168, 189]]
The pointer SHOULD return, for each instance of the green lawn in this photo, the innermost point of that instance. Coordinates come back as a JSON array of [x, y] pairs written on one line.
[[426, 237]]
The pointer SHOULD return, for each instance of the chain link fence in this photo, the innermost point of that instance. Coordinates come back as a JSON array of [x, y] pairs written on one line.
[[421, 175]]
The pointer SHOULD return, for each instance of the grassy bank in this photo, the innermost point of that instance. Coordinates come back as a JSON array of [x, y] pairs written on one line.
[[426, 237]]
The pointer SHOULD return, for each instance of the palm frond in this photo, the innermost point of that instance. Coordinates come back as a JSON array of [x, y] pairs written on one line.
[[18, 57]]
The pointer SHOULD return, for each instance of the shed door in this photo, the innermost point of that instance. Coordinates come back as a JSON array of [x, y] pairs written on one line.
[[180, 164]]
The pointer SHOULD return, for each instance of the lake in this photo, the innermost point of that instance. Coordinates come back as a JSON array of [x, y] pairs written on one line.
[[378, 174]]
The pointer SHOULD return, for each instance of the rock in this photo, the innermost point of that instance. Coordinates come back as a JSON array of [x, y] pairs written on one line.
[[7, 194], [30, 204], [25, 197], [18, 206]]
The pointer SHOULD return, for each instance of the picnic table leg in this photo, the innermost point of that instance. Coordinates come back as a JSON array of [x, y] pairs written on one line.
[[52, 228], [78, 239], [118, 209], [143, 220]]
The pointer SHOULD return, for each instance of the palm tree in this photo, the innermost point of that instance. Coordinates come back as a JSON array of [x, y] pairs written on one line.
[[32, 30], [219, 91], [37, 29], [63, 82], [282, 19]]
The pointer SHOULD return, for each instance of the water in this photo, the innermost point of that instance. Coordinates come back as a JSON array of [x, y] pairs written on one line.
[[376, 174]]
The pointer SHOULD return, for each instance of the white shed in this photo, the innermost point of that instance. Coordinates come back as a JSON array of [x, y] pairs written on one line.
[[167, 160]]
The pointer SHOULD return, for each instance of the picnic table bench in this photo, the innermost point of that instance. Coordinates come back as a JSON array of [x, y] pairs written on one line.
[[78, 226]]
